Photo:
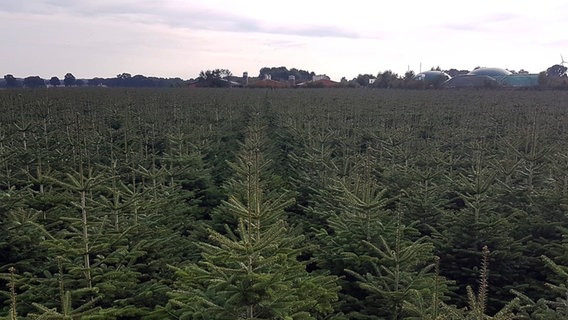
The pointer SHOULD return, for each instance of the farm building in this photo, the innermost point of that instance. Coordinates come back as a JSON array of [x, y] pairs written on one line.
[[322, 83], [492, 77], [432, 77], [471, 81], [319, 81], [221, 83], [520, 80], [267, 83], [492, 72]]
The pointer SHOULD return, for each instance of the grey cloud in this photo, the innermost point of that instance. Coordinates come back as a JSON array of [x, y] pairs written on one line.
[[221, 21], [90, 8], [15, 6], [316, 31], [481, 23], [501, 17], [561, 43], [462, 26], [284, 44], [153, 12]]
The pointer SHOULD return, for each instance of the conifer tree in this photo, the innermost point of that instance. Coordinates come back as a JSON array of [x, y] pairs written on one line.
[[399, 269], [555, 304], [67, 310], [428, 304], [9, 297], [477, 302], [423, 200], [252, 271], [479, 222], [314, 170], [368, 243], [94, 241]]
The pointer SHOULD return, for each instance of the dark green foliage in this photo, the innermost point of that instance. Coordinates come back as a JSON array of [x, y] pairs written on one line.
[[214, 78], [34, 82], [384, 263], [102, 189], [11, 81], [69, 80], [252, 271], [283, 74], [555, 306]]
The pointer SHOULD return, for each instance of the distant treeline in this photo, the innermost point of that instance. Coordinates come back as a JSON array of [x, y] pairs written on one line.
[[121, 80], [555, 77]]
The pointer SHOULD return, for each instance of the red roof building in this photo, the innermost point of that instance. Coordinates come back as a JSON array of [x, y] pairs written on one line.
[[322, 83], [267, 83]]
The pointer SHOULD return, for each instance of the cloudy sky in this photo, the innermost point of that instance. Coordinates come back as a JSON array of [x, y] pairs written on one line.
[[178, 38]]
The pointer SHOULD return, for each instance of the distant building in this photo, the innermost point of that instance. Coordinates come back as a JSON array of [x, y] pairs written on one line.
[[229, 82], [492, 72], [292, 80], [492, 78], [321, 83], [471, 81], [432, 78], [267, 83], [320, 77], [521, 80]]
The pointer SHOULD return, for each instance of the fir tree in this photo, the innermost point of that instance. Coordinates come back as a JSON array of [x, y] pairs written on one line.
[[477, 302], [369, 244], [556, 285], [252, 271], [10, 297], [66, 310], [399, 270], [478, 222]]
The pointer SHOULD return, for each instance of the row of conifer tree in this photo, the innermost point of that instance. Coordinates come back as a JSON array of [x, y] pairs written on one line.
[[157, 204]]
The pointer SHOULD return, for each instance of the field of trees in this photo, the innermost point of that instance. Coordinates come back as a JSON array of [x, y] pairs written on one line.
[[283, 204]]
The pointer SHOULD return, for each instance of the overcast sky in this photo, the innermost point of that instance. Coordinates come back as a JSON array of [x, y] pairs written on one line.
[[178, 38]]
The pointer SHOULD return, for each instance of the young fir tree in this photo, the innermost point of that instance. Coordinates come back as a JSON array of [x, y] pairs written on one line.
[[428, 304], [67, 310], [383, 261], [9, 297], [95, 240], [314, 169], [423, 199], [252, 271], [541, 308], [479, 221], [400, 271], [477, 307]]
